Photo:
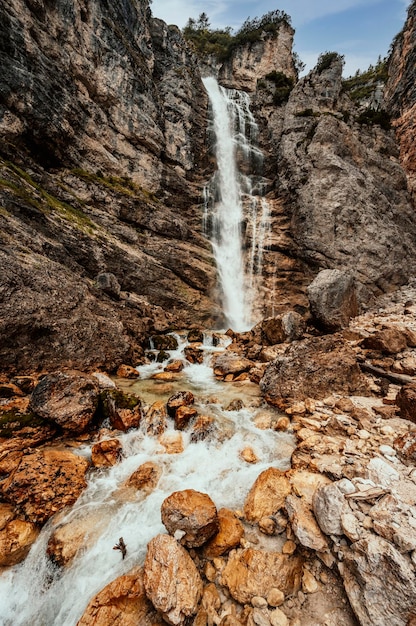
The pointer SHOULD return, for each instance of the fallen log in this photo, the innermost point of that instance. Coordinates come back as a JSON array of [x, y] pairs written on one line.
[[398, 379]]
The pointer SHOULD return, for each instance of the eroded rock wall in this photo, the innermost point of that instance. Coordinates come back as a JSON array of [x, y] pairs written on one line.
[[343, 189], [102, 127], [400, 95]]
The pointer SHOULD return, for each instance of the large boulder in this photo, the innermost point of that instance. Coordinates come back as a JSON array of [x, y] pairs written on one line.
[[406, 401], [267, 496], [68, 399], [286, 327], [43, 482], [388, 340], [249, 573], [230, 533], [16, 538], [379, 581], [171, 580], [122, 602], [178, 399], [315, 367], [333, 299], [230, 364], [191, 516]]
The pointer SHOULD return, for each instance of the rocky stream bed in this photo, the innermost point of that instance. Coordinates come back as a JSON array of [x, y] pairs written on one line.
[[290, 499]]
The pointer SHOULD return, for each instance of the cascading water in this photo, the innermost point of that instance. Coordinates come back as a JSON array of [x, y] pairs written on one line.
[[234, 208], [40, 594]]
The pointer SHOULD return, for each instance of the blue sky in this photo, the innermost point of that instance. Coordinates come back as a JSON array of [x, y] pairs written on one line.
[[360, 29]]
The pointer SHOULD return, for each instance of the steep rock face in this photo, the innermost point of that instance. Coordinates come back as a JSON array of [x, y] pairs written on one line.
[[102, 123], [89, 83], [252, 61], [400, 94], [344, 192]]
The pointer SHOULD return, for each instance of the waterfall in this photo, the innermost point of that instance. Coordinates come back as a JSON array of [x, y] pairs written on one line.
[[233, 212]]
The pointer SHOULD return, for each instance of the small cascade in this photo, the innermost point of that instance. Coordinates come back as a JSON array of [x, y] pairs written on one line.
[[236, 216], [40, 593]]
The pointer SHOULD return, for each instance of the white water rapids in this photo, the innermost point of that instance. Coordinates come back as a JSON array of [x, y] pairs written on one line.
[[36, 593], [234, 206]]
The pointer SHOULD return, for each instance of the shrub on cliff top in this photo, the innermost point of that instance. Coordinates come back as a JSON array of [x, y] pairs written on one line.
[[221, 42], [326, 59]]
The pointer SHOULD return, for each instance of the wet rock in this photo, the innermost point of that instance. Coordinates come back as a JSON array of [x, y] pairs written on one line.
[[365, 564], [195, 335], [164, 342], [106, 453], [104, 381], [183, 416], [248, 455], [66, 399], [406, 401], [145, 478], [156, 418], [235, 405], [390, 340], [267, 495], [180, 398], [16, 539], [191, 516], [171, 580], [194, 354], [122, 602], [124, 410], [127, 371], [174, 366], [44, 481], [172, 442], [249, 573], [333, 299], [70, 537], [318, 366], [203, 428], [229, 535], [230, 363]]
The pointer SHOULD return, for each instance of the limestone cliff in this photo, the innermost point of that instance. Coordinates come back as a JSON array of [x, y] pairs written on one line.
[[344, 197], [400, 95], [102, 127], [251, 61]]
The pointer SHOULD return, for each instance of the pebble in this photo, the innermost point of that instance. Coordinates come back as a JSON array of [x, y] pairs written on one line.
[[275, 597], [309, 583], [260, 618], [289, 547], [258, 601], [387, 450], [278, 618]]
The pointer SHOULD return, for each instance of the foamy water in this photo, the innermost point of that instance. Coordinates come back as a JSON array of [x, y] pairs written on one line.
[[40, 594]]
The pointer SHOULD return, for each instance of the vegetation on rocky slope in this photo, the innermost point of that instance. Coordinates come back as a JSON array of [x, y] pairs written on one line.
[[222, 42]]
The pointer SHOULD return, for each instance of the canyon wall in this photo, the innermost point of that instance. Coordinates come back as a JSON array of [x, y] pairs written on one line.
[[102, 128], [400, 95]]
